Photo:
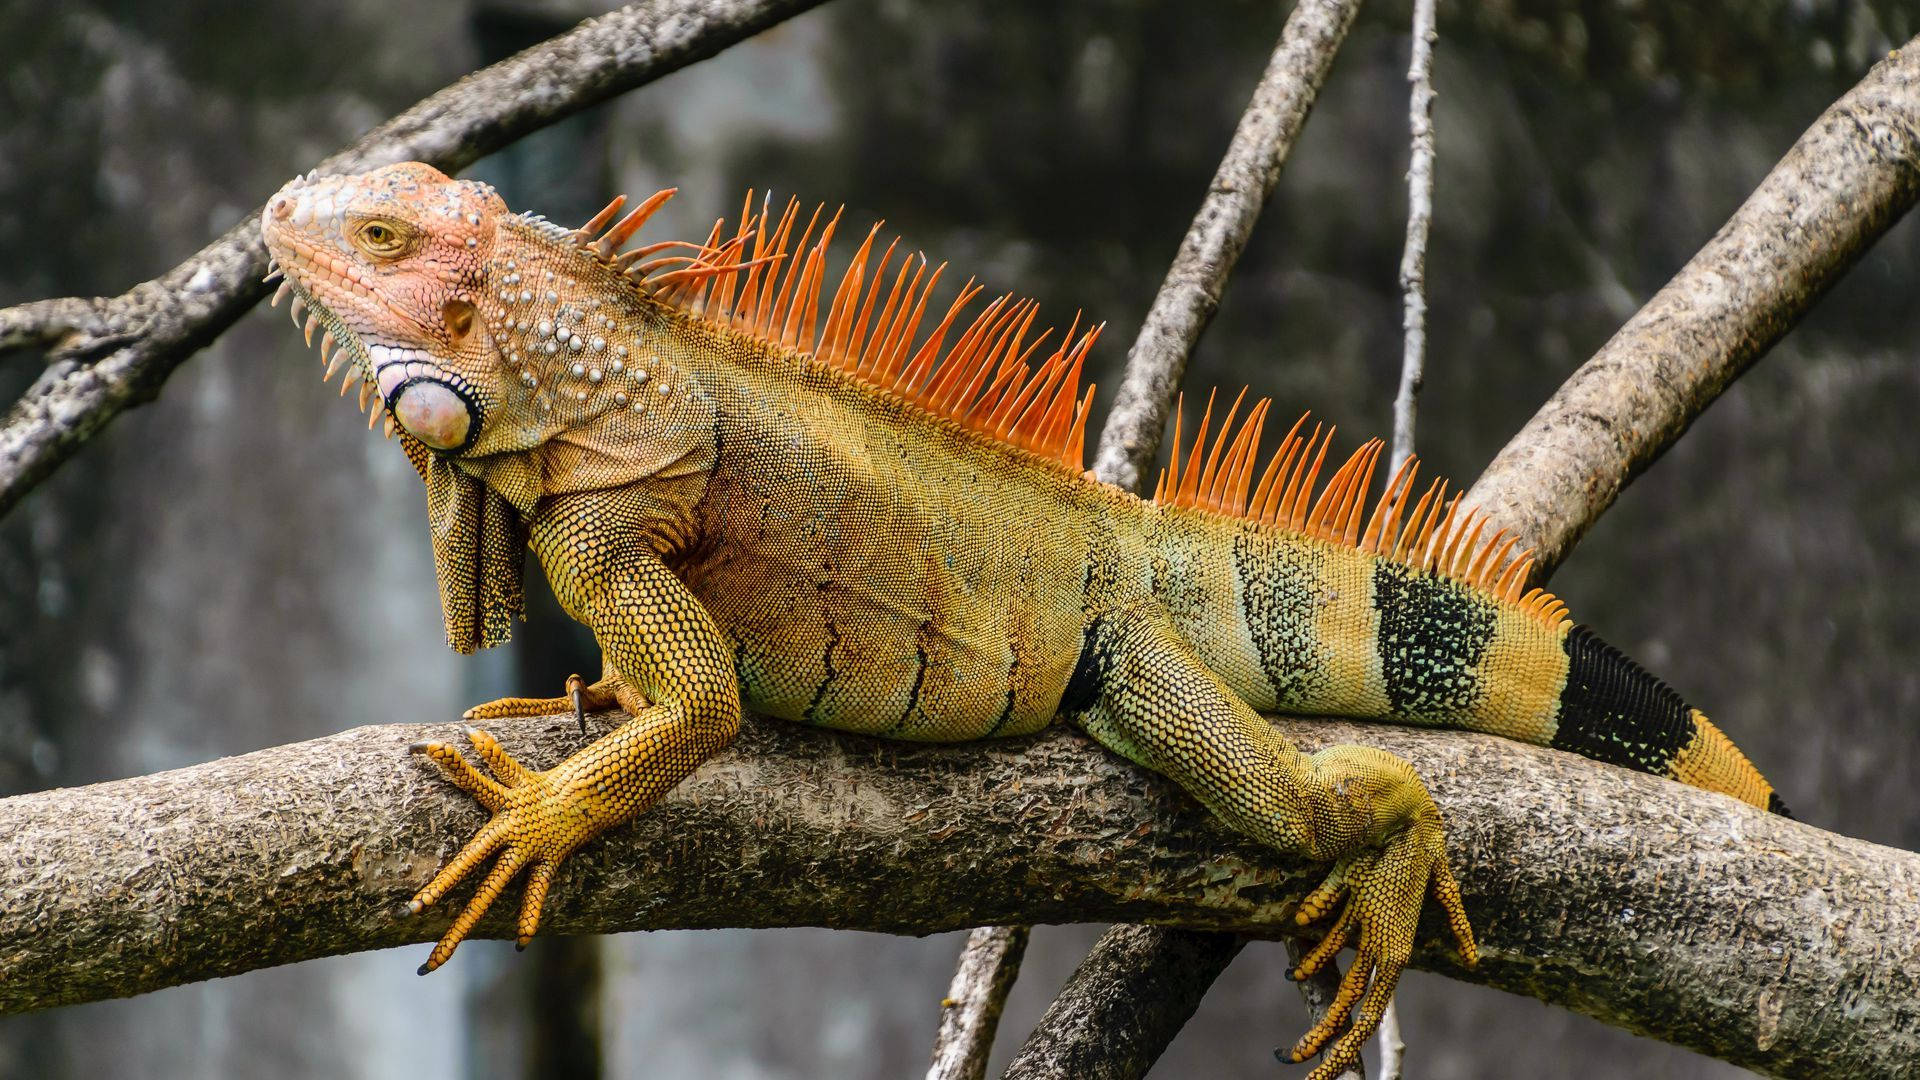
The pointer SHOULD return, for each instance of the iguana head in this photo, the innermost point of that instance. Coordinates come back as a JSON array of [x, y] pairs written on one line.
[[517, 358], [393, 263]]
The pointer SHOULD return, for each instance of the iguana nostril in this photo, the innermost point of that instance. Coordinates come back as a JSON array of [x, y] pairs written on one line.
[[281, 207]]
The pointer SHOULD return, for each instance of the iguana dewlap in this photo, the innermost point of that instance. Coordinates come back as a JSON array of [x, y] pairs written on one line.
[[760, 491]]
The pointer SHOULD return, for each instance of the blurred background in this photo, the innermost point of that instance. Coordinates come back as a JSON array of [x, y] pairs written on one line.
[[241, 565]]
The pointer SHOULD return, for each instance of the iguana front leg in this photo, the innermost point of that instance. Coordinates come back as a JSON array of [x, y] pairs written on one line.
[[664, 645], [1140, 691]]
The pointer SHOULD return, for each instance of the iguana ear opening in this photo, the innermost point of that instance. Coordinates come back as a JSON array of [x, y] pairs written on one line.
[[479, 550]]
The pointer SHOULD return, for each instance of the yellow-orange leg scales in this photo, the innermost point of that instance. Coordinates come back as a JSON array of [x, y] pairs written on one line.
[[660, 647]]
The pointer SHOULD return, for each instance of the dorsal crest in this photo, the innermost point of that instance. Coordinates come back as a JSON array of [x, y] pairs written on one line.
[[1436, 536], [995, 378]]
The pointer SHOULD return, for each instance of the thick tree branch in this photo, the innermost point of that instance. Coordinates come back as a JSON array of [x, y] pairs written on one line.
[[1849, 178], [970, 1014], [1136, 989], [1191, 292], [106, 355], [1670, 911]]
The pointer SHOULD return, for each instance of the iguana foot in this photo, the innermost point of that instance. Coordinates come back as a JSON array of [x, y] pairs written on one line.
[[1383, 891], [539, 818]]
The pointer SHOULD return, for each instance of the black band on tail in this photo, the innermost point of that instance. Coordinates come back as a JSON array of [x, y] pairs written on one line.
[[1613, 711]]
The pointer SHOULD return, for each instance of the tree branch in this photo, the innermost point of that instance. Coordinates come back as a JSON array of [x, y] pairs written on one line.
[[1413, 257], [1849, 178], [106, 355], [1138, 986], [1670, 911], [1191, 292], [1137, 965], [970, 1014]]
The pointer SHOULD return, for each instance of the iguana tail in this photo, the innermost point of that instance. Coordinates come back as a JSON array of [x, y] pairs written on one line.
[[1409, 614], [1611, 710]]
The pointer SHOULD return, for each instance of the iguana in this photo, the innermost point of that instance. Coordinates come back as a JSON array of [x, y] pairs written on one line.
[[815, 511]]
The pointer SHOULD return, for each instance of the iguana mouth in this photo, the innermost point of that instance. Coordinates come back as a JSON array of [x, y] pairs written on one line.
[[348, 353]]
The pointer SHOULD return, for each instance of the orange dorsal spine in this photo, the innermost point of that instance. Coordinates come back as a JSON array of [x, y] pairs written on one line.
[[1437, 535], [760, 282], [756, 282]]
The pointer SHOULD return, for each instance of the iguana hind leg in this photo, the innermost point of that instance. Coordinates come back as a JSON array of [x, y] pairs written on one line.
[[1141, 691]]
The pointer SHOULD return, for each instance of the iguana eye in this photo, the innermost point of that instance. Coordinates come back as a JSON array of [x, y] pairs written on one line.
[[381, 239]]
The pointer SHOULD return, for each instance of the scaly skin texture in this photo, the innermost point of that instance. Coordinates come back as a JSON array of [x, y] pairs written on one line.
[[737, 521]]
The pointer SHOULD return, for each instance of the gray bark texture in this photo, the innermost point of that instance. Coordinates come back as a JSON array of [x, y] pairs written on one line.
[[970, 1013], [1672, 912], [1138, 986], [1191, 292], [1850, 177], [107, 354]]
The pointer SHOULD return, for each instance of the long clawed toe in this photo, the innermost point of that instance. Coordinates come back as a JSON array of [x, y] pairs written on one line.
[[521, 802], [580, 699], [1378, 898]]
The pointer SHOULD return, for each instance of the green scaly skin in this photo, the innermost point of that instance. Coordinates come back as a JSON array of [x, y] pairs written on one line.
[[741, 524]]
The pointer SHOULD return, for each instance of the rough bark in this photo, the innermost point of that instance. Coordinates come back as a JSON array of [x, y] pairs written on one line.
[[970, 1014], [1191, 292], [1136, 989], [108, 354], [1849, 178], [1663, 909]]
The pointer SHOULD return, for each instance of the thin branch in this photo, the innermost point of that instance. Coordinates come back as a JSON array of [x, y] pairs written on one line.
[[1413, 258], [1138, 966], [106, 355], [1136, 989], [1191, 292], [970, 1014], [1670, 911], [1393, 1049], [1847, 179], [1317, 991], [1413, 324]]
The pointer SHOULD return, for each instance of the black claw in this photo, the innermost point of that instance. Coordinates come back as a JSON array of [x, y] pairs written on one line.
[[424, 969], [519, 946], [418, 747], [579, 707]]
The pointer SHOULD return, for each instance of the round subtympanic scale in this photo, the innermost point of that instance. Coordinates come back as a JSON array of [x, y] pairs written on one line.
[[433, 413]]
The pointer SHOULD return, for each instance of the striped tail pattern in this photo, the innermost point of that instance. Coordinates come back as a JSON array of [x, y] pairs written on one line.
[[1410, 613]]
